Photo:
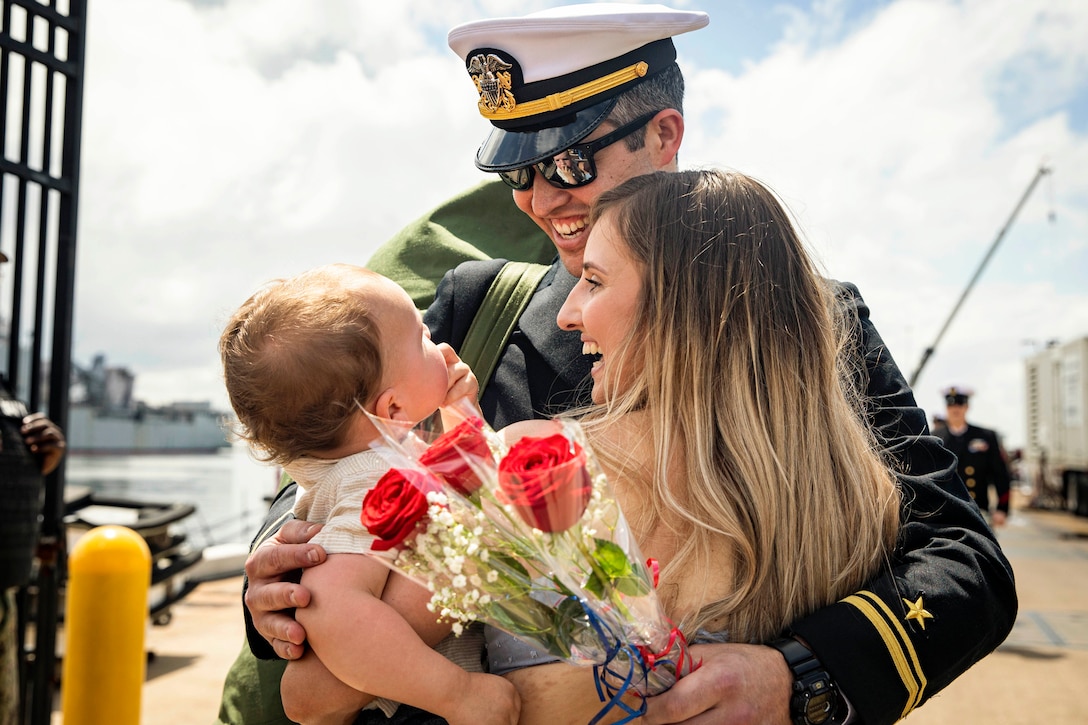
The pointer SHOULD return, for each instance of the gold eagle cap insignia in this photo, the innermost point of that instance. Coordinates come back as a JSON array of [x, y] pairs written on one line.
[[916, 611], [491, 74]]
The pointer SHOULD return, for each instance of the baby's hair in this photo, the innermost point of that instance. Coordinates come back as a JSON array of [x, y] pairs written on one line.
[[299, 358]]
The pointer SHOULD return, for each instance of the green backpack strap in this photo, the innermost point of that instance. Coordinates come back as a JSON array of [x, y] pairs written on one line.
[[500, 311]]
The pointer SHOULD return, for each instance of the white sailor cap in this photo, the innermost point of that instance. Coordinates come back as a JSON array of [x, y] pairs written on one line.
[[957, 394], [547, 79]]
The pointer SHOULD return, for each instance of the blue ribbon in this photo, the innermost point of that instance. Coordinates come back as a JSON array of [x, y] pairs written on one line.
[[610, 695], [613, 697]]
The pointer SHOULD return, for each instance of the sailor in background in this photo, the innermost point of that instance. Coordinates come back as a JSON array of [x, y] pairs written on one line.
[[982, 461]]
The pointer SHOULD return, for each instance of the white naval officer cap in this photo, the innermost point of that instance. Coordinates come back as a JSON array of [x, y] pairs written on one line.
[[547, 79], [957, 394]]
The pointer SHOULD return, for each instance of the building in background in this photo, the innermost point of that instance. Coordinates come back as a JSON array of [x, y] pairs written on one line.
[[1056, 455], [105, 418]]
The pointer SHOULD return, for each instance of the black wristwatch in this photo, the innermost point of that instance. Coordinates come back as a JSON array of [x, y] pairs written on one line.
[[815, 699]]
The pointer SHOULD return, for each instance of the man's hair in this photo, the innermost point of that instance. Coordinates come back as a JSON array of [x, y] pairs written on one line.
[[661, 91], [299, 357], [744, 365]]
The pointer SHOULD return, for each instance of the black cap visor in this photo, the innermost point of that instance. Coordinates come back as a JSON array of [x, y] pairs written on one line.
[[505, 150]]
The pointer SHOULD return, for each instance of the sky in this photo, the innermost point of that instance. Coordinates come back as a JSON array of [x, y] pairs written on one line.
[[229, 142]]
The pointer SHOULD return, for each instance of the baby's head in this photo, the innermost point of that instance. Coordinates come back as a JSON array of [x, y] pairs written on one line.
[[302, 355]]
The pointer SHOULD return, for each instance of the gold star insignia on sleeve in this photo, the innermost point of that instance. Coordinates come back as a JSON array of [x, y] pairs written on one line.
[[917, 612]]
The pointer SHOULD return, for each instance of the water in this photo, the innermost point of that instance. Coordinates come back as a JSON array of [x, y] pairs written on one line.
[[228, 488]]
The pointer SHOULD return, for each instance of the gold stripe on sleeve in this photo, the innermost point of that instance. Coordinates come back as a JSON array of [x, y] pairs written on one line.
[[900, 648]]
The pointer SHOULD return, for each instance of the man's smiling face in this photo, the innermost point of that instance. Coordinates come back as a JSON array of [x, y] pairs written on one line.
[[562, 213]]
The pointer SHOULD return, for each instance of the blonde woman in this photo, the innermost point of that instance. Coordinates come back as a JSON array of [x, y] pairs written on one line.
[[726, 413]]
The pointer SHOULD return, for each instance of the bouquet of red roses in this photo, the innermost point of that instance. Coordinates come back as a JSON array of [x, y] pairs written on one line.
[[529, 539]]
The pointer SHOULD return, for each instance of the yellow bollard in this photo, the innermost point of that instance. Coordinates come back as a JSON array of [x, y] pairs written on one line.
[[109, 572]]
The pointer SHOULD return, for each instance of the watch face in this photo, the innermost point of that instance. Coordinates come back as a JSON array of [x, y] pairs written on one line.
[[818, 708]]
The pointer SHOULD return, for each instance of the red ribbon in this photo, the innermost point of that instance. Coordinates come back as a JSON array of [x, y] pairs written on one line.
[[652, 563], [685, 663]]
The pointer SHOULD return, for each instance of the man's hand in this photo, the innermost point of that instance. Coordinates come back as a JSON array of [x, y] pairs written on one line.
[[736, 683], [44, 439], [270, 592]]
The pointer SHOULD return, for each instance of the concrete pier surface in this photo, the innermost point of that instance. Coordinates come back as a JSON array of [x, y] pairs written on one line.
[[1036, 676]]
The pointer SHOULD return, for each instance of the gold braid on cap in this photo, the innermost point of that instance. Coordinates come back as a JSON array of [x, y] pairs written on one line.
[[497, 102]]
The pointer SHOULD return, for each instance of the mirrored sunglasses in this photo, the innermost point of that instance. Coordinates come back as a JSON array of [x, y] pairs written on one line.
[[574, 166]]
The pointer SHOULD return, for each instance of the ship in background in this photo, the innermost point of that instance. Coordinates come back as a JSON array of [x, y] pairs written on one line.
[[105, 419]]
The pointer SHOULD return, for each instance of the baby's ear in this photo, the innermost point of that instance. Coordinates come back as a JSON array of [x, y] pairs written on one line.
[[387, 406]]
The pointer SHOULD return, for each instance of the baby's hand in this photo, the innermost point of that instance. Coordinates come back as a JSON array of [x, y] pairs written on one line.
[[462, 383], [489, 700]]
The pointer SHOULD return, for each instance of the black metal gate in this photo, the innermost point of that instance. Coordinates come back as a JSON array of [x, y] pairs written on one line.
[[41, 104]]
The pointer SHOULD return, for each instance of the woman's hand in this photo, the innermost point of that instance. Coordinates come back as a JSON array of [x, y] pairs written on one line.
[[270, 590], [736, 684], [44, 439]]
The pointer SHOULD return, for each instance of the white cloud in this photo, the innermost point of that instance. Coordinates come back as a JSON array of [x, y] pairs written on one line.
[[894, 149], [226, 144], [204, 175]]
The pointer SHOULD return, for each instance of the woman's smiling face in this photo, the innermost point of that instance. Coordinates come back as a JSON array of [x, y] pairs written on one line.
[[603, 305]]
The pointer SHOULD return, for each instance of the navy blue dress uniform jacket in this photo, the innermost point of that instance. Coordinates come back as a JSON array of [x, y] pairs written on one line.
[[542, 372], [917, 625], [981, 464]]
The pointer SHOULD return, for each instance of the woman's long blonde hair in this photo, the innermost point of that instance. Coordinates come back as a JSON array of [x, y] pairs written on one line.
[[745, 367]]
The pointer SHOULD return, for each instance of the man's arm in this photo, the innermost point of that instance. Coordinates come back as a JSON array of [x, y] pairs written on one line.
[[735, 684], [947, 598], [480, 224]]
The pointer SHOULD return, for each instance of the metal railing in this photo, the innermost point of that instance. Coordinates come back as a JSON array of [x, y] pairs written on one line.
[[41, 105]]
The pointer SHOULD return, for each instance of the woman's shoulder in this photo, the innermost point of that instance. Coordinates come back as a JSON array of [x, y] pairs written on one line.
[[529, 429]]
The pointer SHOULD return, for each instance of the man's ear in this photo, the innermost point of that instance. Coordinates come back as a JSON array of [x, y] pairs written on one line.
[[387, 405], [664, 134]]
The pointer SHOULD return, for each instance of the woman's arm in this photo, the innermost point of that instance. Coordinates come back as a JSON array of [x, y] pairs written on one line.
[[560, 692]]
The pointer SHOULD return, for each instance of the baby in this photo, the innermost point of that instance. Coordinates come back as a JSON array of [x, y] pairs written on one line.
[[302, 359]]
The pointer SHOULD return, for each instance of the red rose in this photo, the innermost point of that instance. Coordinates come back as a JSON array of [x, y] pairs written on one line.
[[546, 480], [395, 507], [446, 456]]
